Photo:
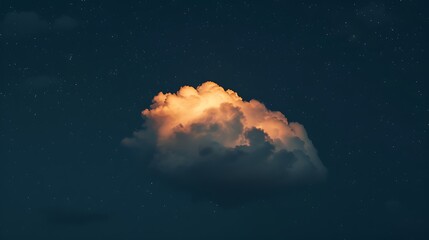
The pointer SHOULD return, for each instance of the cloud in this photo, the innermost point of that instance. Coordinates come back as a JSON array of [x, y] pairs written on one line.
[[30, 23], [23, 23], [212, 143]]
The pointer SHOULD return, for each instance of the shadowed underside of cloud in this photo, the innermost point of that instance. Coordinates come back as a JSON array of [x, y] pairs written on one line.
[[212, 143]]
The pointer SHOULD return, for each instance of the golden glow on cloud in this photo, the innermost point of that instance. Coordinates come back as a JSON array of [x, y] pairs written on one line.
[[190, 105], [207, 139], [178, 111]]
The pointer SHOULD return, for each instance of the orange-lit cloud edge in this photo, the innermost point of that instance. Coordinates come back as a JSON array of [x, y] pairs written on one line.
[[226, 139]]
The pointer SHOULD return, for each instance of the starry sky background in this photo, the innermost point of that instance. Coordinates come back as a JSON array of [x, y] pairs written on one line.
[[76, 74]]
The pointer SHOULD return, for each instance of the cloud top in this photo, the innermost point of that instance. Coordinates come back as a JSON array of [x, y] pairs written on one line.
[[211, 142]]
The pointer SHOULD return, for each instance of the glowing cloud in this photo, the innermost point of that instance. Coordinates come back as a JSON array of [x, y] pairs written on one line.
[[213, 143]]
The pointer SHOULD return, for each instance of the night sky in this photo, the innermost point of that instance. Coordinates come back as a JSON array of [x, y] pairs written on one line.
[[75, 76]]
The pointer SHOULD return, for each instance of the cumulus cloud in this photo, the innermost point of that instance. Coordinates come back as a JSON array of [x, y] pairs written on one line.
[[211, 142]]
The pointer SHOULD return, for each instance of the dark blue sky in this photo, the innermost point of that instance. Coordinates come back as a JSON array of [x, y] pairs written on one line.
[[75, 76]]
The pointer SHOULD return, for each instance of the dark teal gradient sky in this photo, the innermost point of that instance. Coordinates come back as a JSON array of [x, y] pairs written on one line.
[[76, 74]]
